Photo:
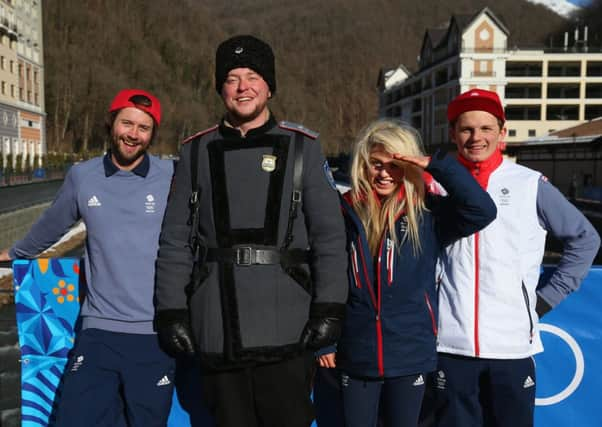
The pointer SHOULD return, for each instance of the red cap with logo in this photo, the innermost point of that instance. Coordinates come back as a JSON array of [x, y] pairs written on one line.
[[138, 99], [476, 99]]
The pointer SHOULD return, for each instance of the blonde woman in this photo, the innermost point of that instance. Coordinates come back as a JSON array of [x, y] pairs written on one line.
[[396, 227]]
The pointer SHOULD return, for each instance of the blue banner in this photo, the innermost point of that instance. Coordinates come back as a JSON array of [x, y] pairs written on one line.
[[568, 371], [47, 306], [47, 303]]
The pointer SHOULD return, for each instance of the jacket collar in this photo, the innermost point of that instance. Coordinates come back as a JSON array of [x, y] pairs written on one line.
[[111, 168], [229, 132], [482, 170]]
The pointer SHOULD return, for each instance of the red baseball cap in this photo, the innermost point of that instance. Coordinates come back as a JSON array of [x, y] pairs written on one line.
[[139, 99], [476, 99]]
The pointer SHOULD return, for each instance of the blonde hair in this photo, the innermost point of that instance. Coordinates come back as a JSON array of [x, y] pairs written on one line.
[[393, 137]]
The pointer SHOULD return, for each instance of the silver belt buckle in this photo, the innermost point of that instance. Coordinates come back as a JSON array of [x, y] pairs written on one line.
[[244, 255]]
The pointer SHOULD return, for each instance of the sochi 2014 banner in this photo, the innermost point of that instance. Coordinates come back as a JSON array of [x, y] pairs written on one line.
[[47, 306], [47, 303], [568, 371]]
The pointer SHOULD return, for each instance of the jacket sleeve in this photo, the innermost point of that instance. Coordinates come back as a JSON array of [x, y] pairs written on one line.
[[467, 208], [579, 239], [175, 260], [54, 222], [326, 233]]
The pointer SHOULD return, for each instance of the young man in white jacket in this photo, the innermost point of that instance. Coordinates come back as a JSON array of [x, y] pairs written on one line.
[[489, 302]]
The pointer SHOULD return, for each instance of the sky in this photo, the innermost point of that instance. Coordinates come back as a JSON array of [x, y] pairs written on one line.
[[580, 2]]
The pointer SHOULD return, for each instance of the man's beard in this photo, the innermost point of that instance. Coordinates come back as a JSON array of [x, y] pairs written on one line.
[[122, 158]]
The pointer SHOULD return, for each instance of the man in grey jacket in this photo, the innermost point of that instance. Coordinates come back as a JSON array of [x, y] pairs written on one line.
[[253, 277]]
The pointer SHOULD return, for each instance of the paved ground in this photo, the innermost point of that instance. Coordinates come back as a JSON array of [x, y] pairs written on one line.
[[10, 369], [20, 196]]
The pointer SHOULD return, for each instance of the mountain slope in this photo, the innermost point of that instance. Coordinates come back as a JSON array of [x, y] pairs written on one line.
[[328, 55]]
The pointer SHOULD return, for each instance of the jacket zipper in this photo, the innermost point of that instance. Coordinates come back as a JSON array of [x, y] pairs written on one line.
[[526, 297], [376, 300], [379, 328], [389, 262], [476, 295], [431, 313]]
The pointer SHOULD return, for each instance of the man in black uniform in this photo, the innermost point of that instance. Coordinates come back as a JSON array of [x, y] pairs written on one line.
[[255, 282]]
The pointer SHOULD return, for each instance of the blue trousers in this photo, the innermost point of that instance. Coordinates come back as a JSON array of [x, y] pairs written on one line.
[[398, 400], [115, 379], [484, 392]]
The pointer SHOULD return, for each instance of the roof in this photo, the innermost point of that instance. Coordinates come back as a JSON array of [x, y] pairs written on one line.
[[591, 128]]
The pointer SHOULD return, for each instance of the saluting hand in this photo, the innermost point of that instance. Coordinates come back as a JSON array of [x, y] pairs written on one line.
[[420, 161]]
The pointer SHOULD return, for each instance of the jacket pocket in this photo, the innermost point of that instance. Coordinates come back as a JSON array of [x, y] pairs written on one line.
[[528, 305]]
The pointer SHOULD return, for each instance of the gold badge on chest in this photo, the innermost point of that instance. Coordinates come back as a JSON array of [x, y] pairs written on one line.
[[268, 163]]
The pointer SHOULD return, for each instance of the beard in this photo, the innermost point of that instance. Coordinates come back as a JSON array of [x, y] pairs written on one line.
[[122, 157]]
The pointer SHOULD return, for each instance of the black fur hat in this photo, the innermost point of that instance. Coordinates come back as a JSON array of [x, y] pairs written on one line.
[[245, 52]]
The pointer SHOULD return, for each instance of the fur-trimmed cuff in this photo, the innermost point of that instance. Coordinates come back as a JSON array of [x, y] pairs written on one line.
[[327, 309]]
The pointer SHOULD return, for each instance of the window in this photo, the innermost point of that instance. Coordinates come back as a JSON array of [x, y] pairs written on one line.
[[563, 90], [523, 112], [3, 88], [512, 132], [526, 69], [563, 112], [593, 111], [564, 69], [2, 62], [12, 67], [593, 90], [523, 91], [531, 132], [12, 91]]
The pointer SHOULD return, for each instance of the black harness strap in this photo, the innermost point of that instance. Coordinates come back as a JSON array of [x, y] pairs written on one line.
[[194, 201], [297, 189]]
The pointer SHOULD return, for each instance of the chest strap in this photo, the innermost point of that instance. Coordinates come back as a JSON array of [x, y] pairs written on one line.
[[247, 255]]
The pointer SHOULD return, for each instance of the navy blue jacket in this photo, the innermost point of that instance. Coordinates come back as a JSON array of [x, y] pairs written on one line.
[[391, 320]]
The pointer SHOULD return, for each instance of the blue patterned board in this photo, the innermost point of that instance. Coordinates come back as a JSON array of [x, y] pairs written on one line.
[[47, 306]]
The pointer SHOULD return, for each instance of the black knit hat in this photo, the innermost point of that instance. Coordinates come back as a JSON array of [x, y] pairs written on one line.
[[245, 52]]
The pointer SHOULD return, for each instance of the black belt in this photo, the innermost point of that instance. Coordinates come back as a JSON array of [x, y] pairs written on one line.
[[247, 255]]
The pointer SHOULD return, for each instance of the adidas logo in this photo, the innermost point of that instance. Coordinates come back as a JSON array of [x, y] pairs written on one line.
[[94, 201], [163, 381], [419, 381], [528, 382]]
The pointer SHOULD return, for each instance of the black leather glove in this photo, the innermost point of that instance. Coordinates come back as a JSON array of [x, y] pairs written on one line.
[[174, 332], [321, 332], [542, 307]]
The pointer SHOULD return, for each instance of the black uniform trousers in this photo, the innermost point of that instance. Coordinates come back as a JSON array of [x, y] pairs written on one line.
[[272, 395]]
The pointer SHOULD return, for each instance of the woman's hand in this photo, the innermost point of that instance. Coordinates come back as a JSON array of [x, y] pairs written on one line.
[[420, 161], [327, 360]]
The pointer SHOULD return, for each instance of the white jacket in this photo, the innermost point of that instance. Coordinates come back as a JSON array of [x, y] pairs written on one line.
[[487, 281]]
